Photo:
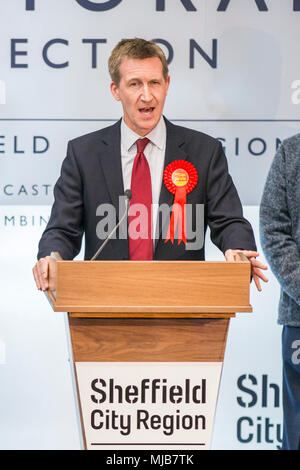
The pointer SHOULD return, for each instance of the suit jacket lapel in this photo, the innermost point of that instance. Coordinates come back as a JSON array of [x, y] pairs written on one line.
[[111, 163], [110, 160], [174, 151]]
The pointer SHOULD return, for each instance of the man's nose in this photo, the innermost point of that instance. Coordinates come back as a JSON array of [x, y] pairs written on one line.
[[146, 94]]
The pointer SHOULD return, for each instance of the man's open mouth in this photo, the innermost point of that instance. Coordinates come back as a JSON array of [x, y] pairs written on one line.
[[146, 110]]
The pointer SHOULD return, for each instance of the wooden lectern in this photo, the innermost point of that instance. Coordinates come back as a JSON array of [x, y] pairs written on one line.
[[124, 316]]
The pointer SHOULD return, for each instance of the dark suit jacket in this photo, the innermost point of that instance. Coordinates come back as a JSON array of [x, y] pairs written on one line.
[[91, 175]]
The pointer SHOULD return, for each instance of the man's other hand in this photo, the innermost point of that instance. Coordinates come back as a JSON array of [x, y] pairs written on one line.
[[256, 266]]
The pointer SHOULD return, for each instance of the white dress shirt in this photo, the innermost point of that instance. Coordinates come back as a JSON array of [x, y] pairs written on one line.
[[155, 155]]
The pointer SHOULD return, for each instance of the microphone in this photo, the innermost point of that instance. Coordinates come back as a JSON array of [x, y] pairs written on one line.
[[128, 196]]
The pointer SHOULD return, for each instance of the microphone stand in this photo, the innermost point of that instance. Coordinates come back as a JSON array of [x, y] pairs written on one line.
[[128, 196]]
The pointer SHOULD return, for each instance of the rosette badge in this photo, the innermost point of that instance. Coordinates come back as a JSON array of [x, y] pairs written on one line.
[[180, 178]]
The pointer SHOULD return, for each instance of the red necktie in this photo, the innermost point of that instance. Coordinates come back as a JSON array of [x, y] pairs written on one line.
[[139, 228]]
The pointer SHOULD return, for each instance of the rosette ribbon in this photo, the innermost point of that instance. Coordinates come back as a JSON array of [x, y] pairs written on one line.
[[180, 178]]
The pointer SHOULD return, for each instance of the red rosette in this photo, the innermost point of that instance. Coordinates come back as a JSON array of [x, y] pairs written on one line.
[[186, 167], [180, 178]]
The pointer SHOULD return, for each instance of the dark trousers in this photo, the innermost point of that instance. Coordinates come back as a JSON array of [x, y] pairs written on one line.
[[291, 387]]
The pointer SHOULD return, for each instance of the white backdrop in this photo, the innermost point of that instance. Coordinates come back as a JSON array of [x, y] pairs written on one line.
[[234, 75]]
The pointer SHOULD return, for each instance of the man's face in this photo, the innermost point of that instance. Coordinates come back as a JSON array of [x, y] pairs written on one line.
[[142, 91]]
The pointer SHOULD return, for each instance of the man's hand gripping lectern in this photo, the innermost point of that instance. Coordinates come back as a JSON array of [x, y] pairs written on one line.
[[148, 341]]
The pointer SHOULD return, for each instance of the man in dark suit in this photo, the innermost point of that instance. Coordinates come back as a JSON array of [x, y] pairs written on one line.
[[99, 166]]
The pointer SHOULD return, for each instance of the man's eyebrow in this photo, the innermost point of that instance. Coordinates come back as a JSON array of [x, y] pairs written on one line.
[[133, 79], [156, 79]]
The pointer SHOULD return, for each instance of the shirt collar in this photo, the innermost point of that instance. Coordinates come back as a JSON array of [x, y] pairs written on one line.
[[157, 136]]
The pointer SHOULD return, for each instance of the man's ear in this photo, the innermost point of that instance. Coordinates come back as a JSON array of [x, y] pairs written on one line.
[[115, 91], [168, 82]]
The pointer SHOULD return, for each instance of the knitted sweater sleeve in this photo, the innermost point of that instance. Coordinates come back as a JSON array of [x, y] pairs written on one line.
[[276, 230]]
